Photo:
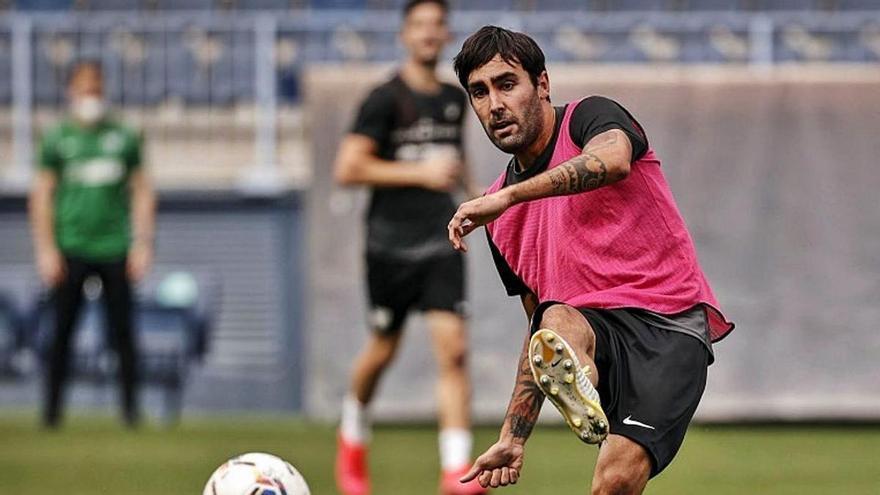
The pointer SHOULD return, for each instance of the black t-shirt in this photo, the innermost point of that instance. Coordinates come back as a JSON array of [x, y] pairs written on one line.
[[593, 115], [409, 223]]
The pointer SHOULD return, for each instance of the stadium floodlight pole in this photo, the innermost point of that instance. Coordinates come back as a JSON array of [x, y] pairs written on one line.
[[19, 175], [262, 177]]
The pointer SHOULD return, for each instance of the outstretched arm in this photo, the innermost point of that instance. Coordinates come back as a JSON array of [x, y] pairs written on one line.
[[603, 161], [501, 464]]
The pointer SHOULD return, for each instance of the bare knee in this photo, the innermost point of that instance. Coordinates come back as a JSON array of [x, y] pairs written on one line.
[[382, 349], [452, 358], [616, 481], [450, 340], [623, 468], [571, 324]]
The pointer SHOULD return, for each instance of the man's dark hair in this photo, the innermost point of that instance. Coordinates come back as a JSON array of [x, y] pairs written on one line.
[[513, 47], [85, 64], [411, 4]]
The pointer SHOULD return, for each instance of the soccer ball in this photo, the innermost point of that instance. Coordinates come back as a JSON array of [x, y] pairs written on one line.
[[256, 474]]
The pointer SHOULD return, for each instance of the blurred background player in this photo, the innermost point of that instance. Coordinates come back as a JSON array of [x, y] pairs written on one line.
[[406, 144], [92, 212], [583, 227]]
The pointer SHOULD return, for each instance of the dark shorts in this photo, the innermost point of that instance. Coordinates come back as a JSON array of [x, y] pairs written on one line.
[[396, 287], [650, 380]]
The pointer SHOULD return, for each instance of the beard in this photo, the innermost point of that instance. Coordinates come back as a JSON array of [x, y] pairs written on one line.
[[528, 128]]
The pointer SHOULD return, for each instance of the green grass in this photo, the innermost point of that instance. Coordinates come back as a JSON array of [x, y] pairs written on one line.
[[95, 456]]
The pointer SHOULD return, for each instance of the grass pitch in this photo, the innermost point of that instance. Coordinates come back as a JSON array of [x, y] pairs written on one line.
[[95, 456]]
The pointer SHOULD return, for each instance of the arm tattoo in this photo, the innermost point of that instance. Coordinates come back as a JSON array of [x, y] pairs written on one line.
[[586, 171], [526, 404], [582, 173]]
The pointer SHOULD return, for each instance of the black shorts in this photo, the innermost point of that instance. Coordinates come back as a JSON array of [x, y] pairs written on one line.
[[396, 287], [650, 380]]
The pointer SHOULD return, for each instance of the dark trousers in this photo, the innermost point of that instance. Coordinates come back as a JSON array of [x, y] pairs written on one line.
[[68, 299]]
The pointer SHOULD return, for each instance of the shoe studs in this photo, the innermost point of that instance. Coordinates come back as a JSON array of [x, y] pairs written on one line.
[[567, 364], [559, 348], [545, 380], [538, 360], [550, 338]]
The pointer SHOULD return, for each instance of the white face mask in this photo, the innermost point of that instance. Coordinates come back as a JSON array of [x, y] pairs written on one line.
[[88, 110]]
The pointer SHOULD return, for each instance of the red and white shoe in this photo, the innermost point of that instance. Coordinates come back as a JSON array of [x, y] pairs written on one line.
[[352, 476], [449, 484]]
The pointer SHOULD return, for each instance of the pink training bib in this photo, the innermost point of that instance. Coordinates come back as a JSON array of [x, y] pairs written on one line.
[[623, 245]]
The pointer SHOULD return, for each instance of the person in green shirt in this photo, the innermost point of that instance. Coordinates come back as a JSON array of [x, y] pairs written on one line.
[[92, 211]]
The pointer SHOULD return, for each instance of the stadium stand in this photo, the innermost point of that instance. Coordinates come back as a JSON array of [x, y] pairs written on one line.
[[463, 5]]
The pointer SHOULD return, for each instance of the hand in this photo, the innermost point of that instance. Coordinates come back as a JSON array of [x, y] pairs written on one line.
[[498, 466], [475, 213], [140, 258], [440, 174], [51, 266]]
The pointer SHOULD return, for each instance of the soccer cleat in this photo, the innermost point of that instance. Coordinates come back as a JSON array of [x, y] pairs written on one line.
[[352, 477], [567, 386], [449, 484]]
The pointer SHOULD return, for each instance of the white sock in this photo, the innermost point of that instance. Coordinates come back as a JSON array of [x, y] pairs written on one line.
[[455, 448], [355, 424]]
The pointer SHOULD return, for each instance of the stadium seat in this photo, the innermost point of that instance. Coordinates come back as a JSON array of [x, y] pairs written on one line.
[[866, 5], [494, 5], [11, 335], [561, 5], [201, 5], [788, 4], [243, 66], [112, 5], [338, 4], [711, 5], [637, 5], [88, 360], [37, 5], [5, 68], [263, 4], [48, 70], [167, 341]]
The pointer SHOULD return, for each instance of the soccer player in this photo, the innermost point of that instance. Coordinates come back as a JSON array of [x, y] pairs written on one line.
[[406, 145], [583, 227], [92, 212]]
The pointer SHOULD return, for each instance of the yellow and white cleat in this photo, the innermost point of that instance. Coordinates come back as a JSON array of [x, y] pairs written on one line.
[[558, 373]]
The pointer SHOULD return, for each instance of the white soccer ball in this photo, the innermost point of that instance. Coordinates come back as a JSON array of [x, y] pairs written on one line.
[[256, 474]]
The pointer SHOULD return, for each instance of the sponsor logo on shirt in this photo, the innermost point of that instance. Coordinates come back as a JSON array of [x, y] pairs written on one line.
[[112, 142], [452, 111], [425, 130], [425, 151], [95, 172]]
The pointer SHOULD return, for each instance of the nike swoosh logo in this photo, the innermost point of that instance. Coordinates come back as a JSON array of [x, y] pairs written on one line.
[[629, 421]]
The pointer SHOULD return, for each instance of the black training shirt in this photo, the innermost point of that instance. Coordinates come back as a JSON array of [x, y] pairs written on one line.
[[409, 223]]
